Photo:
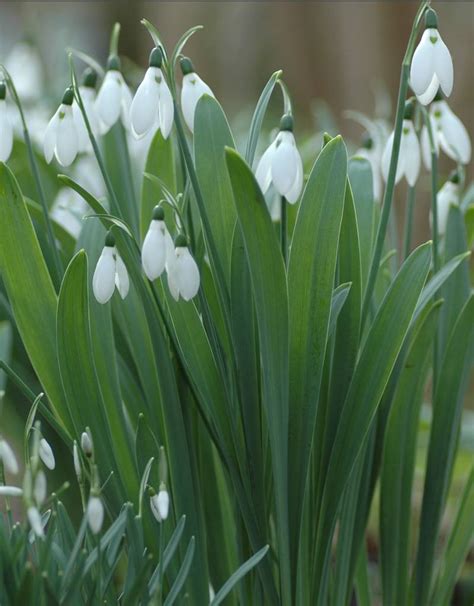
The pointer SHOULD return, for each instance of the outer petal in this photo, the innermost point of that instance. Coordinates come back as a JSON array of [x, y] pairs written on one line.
[[144, 107], [125, 104], [66, 138], [7, 456], [122, 281], [386, 157], [166, 110], [103, 282], [171, 260], [422, 64], [6, 133], [109, 98], [426, 145], [154, 251], [412, 158], [430, 93], [263, 173], [295, 191], [186, 274], [81, 130], [34, 518], [49, 142], [193, 89], [448, 196], [284, 163], [95, 514], [443, 66], [454, 138], [46, 454]]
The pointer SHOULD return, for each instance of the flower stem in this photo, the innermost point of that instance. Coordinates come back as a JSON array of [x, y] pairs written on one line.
[[410, 208], [160, 582]]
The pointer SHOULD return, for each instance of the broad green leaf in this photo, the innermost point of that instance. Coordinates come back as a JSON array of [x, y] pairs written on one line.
[[447, 408], [311, 272]]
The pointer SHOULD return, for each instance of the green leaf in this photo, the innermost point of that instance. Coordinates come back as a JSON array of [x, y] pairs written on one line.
[[182, 42], [182, 575]]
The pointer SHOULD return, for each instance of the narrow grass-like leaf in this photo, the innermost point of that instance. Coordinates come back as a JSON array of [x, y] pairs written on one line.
[[182, 575]]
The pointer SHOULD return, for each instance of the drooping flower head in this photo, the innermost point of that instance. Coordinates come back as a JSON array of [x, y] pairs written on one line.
[[182, 271], [369, 152], [154, 246], [61, 139], [409, 158], [114, 98], [281, 164], [110, 272], [87, 91], [431, 65], [95, 513], [153, 103], [447, 196], [193, 89], [46, 454], [6, 128]]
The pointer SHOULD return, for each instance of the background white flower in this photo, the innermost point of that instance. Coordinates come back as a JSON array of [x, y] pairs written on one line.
[[61, 138], [114, 98], [193, 89]]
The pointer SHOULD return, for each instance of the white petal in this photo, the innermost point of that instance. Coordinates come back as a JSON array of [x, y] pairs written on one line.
[[387, 155], [166, 110], [263, 173], [430, 93], [7, 456], [46, 454], [171, 266], [426, 146], [109, 99], [77, 461], [186, 274], [163, 503], [86, 441], [411, 152], [284, 163], [66, 137], [447, 196], [295, 191], [40, 489], [34, 518], [49, 142], [154, 507], [154, 251], [144, 108], [443, 66], [81, 130], [455, 138], [95, 514], [103, 282], [193, 89], [10, 491], [121, 277], [422, 64], [6, 133], [125, 103]]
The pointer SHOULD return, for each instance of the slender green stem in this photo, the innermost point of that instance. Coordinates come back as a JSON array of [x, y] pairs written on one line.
[[58, 268], [388, 195], [284, 229], [160, 576], [410, 209]]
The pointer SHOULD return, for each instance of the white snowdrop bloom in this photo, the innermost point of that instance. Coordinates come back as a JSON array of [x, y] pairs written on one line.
[[26, 69], [281, 164], [95, 514], [431, 65], [6, 127], [155, 510], [46, 454], [77, 461], [8, 458], [447, 196], [409, 158], [153, 103], [183, 272], [40, 488], [114, 98], [88, 96], [61, 138], [369, 152], [10, 491], [193, 89], [110, 272], [449, 134], [163, 503], [34, 518], [86, 444], [154, 246]]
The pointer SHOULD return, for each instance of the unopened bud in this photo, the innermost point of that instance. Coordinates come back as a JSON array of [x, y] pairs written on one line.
[[46, 454]]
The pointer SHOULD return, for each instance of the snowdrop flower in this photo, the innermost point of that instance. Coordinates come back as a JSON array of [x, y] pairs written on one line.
[[61, 138], [153, 103], [449, 133], [46, 454], [154, 246], [77, 461], [95, 514], [447, 196], [409, 158], [6, 128], [369, 152], [40, 488], [432, 65], [88, 96], [10, 491], [182, 270], [86, 444], [163, 502], [155, 510], [193, 89], [34, 517], [7, 456], [110, 272], [114, 97], [281, 164]]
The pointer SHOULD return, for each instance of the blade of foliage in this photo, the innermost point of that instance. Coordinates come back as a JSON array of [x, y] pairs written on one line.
[[182, 575]]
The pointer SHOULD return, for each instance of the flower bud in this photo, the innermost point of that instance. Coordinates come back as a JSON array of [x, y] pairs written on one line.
[[155, 508], [46, 454], [86, 444], [7, 456], [163, 502], [34, 518], [95, 514], [40, 488], [77, 461]]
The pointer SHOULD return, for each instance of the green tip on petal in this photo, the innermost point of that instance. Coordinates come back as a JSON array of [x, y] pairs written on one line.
[[287, 123], [3, 90], [68, 96], [187, 66], [180, 241], [151, 491], [113, 63], [110, 239], [156, 57], [454, 177], [431, 19], [158, 213], [439, 95], [89, 77], [367, 141], [409, 109]]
